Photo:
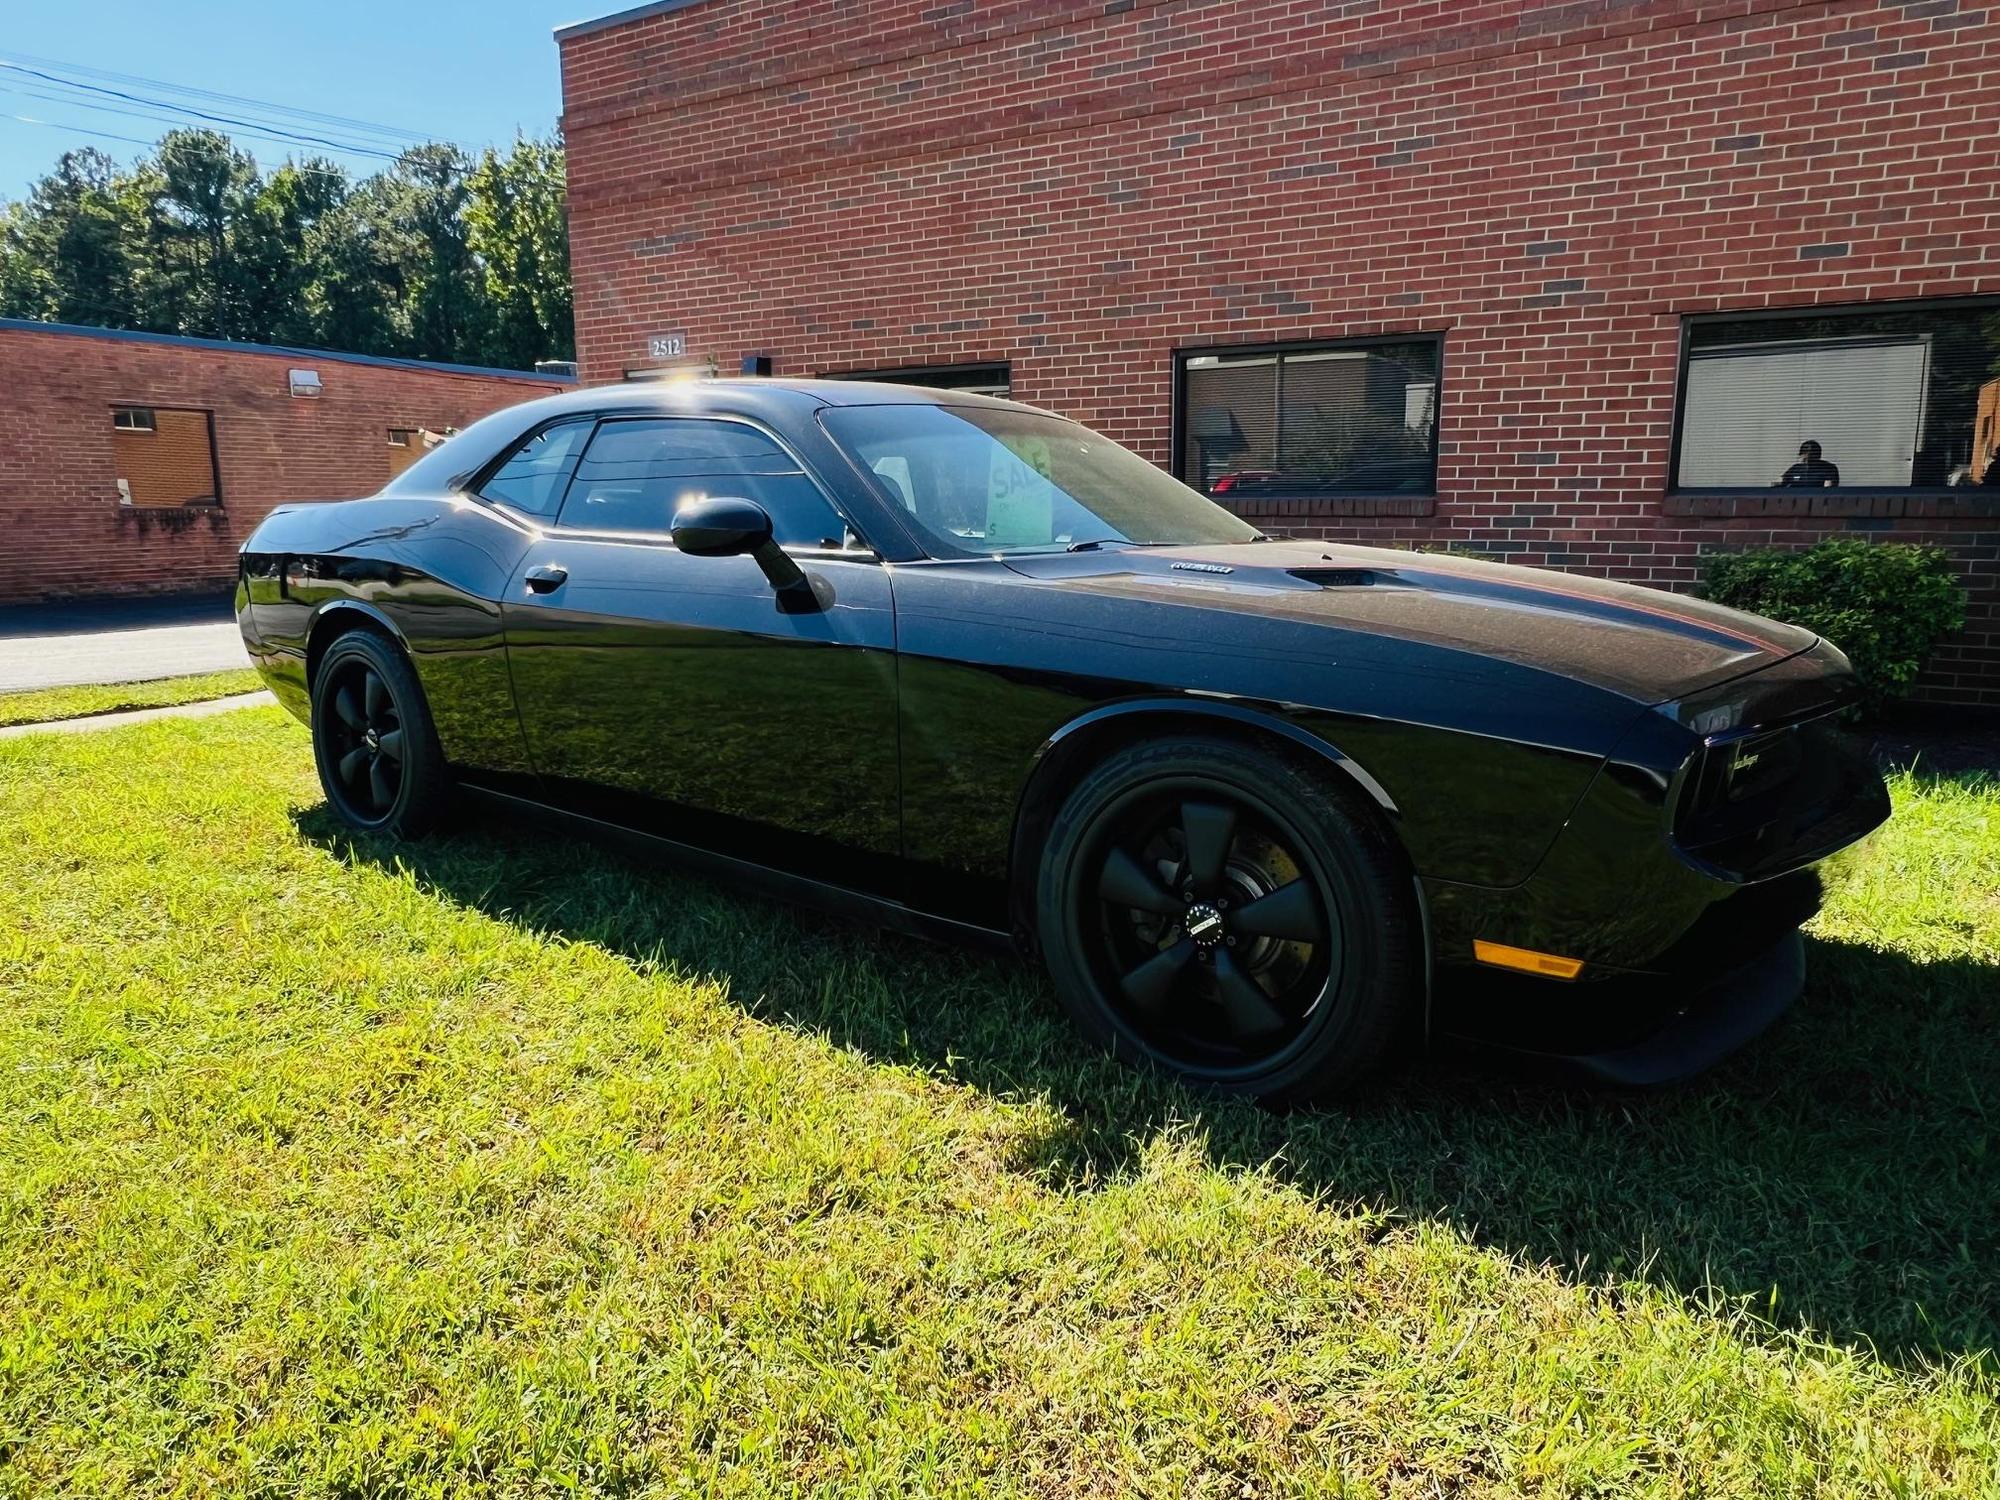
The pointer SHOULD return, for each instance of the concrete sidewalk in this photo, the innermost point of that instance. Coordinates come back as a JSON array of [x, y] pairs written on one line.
[[92, 722], [117, 640]]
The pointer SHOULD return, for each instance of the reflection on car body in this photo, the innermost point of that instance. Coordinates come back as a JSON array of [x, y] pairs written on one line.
[[1264, 808]]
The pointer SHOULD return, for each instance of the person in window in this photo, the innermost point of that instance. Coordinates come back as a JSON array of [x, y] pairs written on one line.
[[1811, 472]]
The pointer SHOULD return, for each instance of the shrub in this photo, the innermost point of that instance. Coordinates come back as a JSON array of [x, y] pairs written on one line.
[[1885, 604]]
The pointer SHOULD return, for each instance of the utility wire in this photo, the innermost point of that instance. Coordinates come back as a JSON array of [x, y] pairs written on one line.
[[26, 92], [217, 119], [102, 135], [133, 140], [365, 127]]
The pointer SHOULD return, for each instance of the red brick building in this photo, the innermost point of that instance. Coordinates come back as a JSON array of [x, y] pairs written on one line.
[[1501, 237], [133, 462]]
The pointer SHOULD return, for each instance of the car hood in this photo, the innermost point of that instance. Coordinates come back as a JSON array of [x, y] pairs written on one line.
[[1645, 644]]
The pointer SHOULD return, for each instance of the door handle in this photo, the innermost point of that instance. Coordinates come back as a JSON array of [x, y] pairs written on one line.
[[546, 578]]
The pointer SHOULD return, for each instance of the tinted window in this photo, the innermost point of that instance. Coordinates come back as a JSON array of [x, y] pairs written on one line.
[[1349, 418], [638, 473], [1852, 398], [535, 474], [994, 479]]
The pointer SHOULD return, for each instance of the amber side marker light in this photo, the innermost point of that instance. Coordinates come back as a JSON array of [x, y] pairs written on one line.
[[1526, 960]]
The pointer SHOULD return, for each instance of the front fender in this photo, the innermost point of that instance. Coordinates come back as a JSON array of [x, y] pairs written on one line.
[[1110, 714]]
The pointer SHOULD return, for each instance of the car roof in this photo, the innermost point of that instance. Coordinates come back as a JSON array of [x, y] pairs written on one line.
[[776, 403], [758, 396]]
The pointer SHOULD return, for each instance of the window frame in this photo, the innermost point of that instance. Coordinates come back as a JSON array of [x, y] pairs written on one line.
[[150, 413], [207, 415], [867, 551], [1767, 491], [471, 485], [1308, 499], [901, 375]]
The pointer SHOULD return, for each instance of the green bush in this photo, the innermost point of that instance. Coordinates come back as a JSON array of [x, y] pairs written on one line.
[[1886, 605]]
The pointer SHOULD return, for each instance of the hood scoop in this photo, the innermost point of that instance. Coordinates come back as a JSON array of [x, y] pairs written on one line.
[[1345, 578]]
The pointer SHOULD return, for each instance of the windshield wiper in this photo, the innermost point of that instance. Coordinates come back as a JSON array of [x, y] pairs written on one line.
[[1096, 545]]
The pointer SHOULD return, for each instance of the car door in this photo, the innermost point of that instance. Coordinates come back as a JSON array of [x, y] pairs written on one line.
[[672, 693]]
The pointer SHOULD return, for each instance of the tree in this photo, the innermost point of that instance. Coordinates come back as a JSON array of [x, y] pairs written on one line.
[[436, 257], [287, 224], [445, 311], [205, 234], [70, 250], [518, 227]]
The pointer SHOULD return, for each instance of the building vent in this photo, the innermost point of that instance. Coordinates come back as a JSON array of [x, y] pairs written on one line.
[[305, 383]]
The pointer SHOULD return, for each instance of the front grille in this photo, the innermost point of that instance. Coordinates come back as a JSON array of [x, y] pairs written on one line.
[[1772, 800]]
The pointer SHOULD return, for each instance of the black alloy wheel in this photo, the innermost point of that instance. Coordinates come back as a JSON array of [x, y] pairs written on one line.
[[1229, 915], [1209, 924], [366, 741], [373, 739]]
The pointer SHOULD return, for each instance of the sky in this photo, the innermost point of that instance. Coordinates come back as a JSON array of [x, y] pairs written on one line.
[[470, 71]]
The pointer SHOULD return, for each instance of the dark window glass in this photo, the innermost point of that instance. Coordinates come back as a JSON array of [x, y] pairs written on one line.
[[536, 473], [637, 474], [1853, 398], [1352, 418], [1001, 479]]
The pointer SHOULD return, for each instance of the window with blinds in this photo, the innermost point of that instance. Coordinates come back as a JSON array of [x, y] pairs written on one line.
[[1353, 418], [1842, 398]]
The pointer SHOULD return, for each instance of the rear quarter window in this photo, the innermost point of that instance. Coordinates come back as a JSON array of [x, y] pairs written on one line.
[[534, 477]]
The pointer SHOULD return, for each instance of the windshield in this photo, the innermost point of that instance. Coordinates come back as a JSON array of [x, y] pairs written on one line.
[[979, 479]]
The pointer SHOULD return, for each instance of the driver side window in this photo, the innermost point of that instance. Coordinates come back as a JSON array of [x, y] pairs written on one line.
[[639, 471]]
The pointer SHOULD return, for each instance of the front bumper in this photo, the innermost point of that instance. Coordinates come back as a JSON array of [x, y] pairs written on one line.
[[1679, 881], [1683, 1034]]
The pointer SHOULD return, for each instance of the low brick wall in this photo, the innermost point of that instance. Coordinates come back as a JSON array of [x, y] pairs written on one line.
[[66, 534]]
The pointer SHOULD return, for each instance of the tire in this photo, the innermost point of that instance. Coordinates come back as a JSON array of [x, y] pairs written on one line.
[[1232, 916], [374, 741]]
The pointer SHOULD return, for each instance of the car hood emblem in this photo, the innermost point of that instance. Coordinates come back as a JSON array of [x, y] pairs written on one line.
[[1188, 567]]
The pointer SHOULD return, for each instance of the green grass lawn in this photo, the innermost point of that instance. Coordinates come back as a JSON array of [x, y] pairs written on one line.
[[44, 705], [497, 1165]]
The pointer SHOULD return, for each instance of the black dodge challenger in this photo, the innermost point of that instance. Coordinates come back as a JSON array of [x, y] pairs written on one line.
[[1268, 810]]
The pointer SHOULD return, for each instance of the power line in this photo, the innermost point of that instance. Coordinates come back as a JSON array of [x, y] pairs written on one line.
[[133, 140], [102, 135], [236, 101], [140, 114], [216, 119]]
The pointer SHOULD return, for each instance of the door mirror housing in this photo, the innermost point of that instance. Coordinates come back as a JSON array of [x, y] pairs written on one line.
[[731, 526], [726, 526]]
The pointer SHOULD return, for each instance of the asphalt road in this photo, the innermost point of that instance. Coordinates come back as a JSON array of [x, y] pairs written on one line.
[[116, 640]]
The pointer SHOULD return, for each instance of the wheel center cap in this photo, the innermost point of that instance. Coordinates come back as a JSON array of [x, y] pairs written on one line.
[[1204, 924], [371, 739]]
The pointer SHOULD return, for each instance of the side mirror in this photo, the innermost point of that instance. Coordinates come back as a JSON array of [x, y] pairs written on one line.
[[730, 526], [723, 527]]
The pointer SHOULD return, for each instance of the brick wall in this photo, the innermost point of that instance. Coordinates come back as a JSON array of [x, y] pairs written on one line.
[[1081, 188], [67, 535]]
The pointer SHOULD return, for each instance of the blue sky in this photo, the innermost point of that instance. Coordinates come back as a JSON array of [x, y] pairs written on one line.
[[471, 71]]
